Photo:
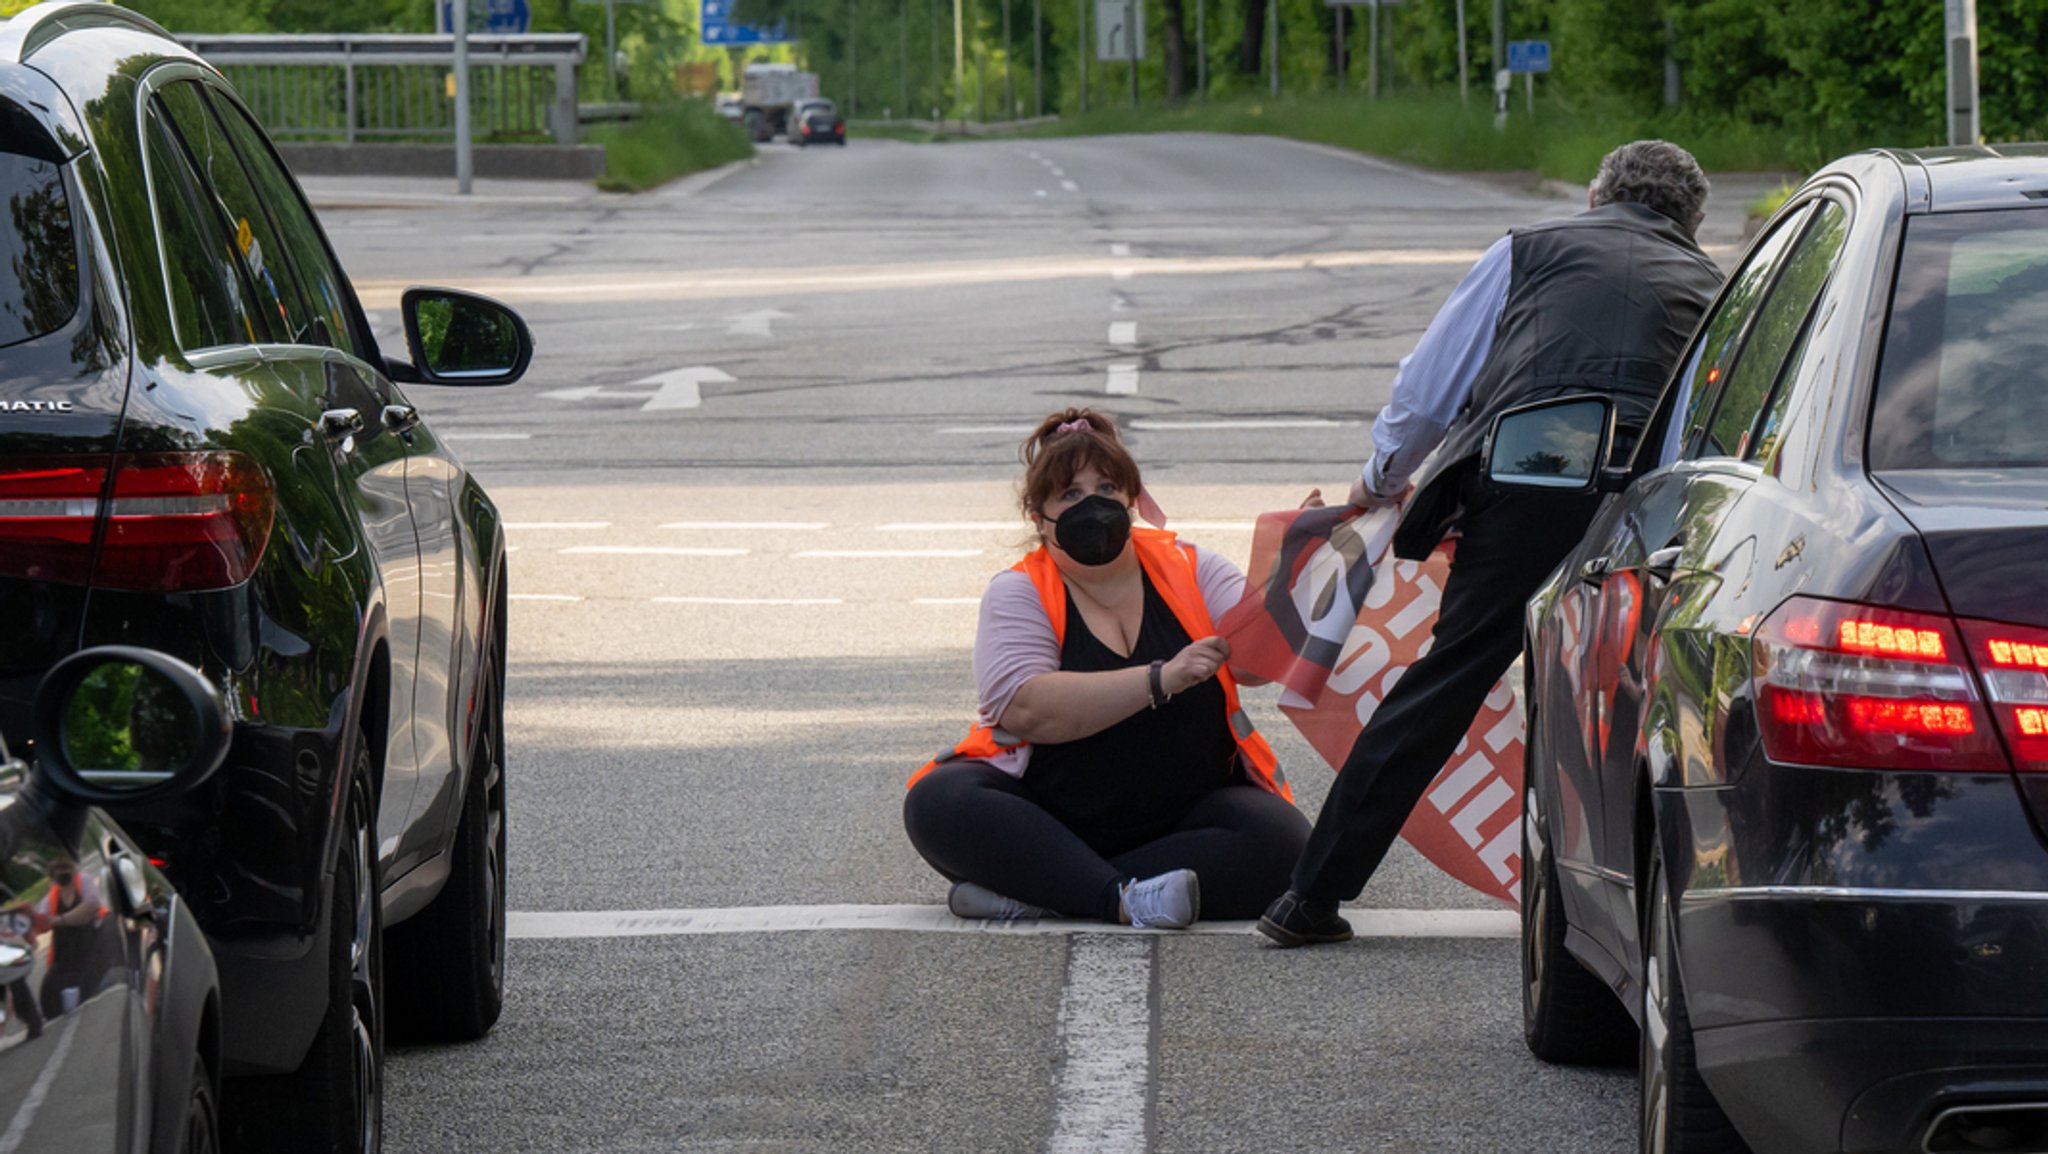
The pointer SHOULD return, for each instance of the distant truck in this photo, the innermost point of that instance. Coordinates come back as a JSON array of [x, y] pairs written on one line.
[[769, 92]]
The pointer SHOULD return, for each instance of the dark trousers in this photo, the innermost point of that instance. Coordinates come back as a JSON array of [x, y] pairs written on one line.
[[975, 823], [1510, 543]]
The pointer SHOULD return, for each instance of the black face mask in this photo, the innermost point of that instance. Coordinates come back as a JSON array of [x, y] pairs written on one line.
[[1094, 530]]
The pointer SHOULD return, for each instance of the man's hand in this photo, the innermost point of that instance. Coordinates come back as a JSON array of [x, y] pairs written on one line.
[[1364, 498]]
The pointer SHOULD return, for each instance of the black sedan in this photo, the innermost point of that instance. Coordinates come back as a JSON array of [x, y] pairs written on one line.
[[204, 451], [110, 1009], [1788, 700], [817, 122]]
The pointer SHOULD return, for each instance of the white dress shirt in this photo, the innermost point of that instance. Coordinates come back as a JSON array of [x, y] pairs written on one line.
[[1434, 382]]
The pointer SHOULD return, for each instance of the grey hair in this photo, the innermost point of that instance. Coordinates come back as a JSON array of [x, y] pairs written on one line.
[[1656, 174]]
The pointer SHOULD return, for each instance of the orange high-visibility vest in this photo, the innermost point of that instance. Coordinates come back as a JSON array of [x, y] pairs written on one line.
[[1171, 566]]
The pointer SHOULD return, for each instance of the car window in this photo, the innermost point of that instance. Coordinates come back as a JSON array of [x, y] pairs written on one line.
[[1778, 326], [212, 303], [228, 186], [1831, 232], [37, 245], [1721, 336], [307, 250], [1963, 379]]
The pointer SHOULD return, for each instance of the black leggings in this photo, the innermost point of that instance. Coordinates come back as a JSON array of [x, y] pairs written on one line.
[[975, 823]]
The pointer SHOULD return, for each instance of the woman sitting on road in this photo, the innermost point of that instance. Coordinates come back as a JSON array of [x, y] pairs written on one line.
[[1113, 774]]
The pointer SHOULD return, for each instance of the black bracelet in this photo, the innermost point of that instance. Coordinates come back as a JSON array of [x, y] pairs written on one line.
[[1158, 685]]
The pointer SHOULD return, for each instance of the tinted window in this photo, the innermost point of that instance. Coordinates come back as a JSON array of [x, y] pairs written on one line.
[[1721, 339], [211, 301], [1779, 325], [38, 248], [235, 198], [1964, 377], [318, 275]]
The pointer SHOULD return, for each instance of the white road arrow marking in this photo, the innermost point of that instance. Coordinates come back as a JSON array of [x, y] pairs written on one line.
[[754, 324], [678, 389]]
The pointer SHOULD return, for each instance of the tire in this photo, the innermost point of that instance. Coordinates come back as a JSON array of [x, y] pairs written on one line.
[[334, 1102], [446, 965], [1677, 1111], [1569, 1015], [202, 1114]]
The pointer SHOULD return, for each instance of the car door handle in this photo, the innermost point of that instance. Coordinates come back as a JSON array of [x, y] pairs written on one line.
[[1663, 563], [401, 419], [340, 424], [1594, 572]]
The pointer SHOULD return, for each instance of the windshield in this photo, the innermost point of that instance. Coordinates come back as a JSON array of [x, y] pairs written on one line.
[[37, 247], [1964, 380]]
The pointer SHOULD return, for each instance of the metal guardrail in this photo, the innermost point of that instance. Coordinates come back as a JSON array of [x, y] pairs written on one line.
[[348, 88]]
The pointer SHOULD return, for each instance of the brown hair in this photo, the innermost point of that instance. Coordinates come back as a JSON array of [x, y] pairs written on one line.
[[1052, 458]]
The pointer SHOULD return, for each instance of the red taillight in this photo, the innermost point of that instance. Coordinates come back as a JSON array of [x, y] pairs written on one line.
[[2014, 662], [174, 521], [1865, 687]]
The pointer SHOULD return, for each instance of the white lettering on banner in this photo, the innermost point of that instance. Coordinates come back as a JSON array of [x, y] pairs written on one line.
[[1480, 809], [1454, 785], [1323, 594], [1365, 654], [1418, 611], [1508, 729], [1505, 844], [1368, 702]]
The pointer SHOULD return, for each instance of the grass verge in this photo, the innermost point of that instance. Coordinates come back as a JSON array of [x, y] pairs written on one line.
[[1561, 141], [667, 142]]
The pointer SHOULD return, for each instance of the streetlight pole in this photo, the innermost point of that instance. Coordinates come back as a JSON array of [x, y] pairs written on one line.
[[1202, 47], [463, 159], [1081, 31], [1273, 44], [1464, 63], [853, 63], [1964, 122], [1037, 58], [1131, 44], [959, 65]]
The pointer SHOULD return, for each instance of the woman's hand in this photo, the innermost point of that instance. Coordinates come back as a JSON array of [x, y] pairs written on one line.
[[1314, 500], [1364, 498], [1194, 665]]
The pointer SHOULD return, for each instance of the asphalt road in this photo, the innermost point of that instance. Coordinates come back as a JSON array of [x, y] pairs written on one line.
[[762, 466]]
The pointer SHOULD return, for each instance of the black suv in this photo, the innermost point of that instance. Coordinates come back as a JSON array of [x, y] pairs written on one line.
[[202, 451]]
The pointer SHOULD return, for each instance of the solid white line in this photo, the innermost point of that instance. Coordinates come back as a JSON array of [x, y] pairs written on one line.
[[1119, 249], [545, 597], [1123, 380], [748, 601], [1123, 332], [948, 526], [1155, 426], [776, 526], [877, 554], [1365, 923], [1070, 186], [558, 524], [945, 601], [460, 436], [1102, 1079], [1121, 272], [653, 551], [25, 1114]]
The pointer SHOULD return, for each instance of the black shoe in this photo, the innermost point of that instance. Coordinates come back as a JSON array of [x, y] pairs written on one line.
[[1293, 920]]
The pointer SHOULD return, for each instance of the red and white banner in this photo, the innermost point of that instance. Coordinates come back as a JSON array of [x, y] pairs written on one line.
[[1333, 617]]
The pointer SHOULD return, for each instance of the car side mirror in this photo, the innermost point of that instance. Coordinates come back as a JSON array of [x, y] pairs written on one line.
[[459, 338], [1559, 445], [117, 724]]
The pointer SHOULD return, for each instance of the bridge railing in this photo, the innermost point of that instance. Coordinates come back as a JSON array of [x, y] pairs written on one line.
[[349, 88]]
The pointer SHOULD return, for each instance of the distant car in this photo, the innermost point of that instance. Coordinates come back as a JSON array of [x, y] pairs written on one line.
[[204, 450], [816, 122], [730, 106], [1788, 701], [110, 1007]]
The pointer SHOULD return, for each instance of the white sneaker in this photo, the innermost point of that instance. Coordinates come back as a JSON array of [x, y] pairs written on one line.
[[1171, 901], [971, 901]]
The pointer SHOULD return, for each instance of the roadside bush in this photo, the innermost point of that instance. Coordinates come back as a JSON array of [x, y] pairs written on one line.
[[667, 141]]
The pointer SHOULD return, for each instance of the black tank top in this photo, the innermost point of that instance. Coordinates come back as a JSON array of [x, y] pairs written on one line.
[[1132, 782]]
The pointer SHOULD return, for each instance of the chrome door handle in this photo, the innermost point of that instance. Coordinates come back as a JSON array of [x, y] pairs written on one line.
[[340, 424], [1595, 571], [1663, 563], [401, 419]]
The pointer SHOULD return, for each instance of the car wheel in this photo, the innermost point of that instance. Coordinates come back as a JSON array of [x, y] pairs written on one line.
[[1568, 1014], [334, 1102], [202, 1115], [1678, 1111], [447, 963]]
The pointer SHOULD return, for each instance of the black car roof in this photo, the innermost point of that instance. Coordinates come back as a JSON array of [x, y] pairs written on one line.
[[1976, 177], [34, 28]]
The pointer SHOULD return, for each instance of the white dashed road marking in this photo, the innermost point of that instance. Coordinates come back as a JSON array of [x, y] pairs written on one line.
[[1123, 379], [524, 525], [947, 526], [1119, 249], [1102, 1080], [748, 601], [461, 436], [653, 551], [545, 597], [1123, 333], [774, 526], [1070, 186], [876, 554], [1154, 426]]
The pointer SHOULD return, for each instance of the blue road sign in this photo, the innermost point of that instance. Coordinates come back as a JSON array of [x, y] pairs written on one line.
[[718, 27], [496, 17], [1528, 56]]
